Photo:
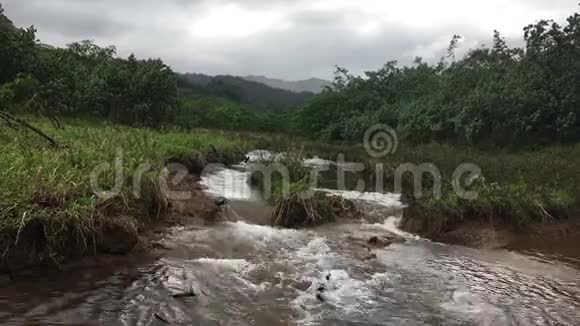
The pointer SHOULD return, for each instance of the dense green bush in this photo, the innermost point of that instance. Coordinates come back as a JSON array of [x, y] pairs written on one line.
[[498, 96]]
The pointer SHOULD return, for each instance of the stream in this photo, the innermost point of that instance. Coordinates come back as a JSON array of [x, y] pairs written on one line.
[[244, 272]]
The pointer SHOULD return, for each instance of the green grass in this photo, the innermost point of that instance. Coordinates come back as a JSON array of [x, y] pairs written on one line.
[[299, 176], [518, 188], [51, 187]]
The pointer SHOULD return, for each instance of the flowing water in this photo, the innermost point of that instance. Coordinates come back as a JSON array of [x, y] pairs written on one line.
[[245, 272]]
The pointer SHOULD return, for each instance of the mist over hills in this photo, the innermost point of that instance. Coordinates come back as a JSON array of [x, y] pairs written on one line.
[[313, 85]]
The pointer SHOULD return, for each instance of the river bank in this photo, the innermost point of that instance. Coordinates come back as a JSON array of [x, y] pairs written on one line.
[[554, 238], [97, 190]]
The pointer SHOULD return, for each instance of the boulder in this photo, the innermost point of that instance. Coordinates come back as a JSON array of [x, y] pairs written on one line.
[[119, 235], [383, 241], [221, 201]]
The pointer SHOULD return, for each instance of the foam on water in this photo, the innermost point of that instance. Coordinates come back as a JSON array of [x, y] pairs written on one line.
[[391, 224], [263, 155], [341, 290], [264, 234], [316, 252], [378, 204], [236, 265], [386, 200], [228, 183]]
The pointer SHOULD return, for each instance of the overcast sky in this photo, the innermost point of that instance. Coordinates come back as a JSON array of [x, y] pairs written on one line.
[[281, 38]]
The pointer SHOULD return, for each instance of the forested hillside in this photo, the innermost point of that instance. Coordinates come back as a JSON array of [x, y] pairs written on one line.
[[313, 85], [254, 94]]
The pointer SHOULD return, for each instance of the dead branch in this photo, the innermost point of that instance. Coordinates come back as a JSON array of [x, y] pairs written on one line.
[[9, 117]]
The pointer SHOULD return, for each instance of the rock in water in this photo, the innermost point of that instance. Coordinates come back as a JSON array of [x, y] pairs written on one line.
[[188, 294], [221, 201], [384, 241], [320, 297], [119, 235], [161, 318]]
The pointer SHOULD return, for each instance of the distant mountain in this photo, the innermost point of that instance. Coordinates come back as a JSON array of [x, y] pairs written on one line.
[[256, 95], [313, 85]]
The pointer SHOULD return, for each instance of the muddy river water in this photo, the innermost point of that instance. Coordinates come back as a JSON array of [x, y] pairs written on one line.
[[244, 272]]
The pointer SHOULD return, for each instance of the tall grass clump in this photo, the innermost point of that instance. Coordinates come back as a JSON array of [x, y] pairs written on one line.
[[281, 176], [298, 211], [296, 202]]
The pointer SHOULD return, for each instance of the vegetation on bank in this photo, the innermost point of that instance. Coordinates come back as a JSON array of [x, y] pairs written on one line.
[[514, 112], [516, 189], [49, 188]]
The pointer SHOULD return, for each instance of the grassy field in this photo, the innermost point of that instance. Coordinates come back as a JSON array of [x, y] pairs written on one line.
[[50, 186]]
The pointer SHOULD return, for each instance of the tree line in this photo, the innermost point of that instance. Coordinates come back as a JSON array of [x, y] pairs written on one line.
[[496, 96], [82, 80]]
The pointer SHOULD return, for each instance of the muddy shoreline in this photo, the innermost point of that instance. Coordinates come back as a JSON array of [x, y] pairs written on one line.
[[556, 238]]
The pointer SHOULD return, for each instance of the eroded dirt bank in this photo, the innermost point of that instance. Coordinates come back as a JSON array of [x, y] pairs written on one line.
[[555, 238]]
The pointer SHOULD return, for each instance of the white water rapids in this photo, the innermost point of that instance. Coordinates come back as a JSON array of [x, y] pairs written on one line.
[[245, 272]]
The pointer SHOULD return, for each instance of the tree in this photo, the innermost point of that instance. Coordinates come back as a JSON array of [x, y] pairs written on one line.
[[17, 49]]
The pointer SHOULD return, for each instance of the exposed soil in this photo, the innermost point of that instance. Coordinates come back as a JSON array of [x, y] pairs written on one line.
[[556, 237], [188, 199]]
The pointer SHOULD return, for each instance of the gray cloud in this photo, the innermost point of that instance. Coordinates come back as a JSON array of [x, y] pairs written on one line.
[[279, 38]]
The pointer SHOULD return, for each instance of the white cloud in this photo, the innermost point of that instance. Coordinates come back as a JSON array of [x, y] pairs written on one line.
[[230, 21], [282, 38]]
